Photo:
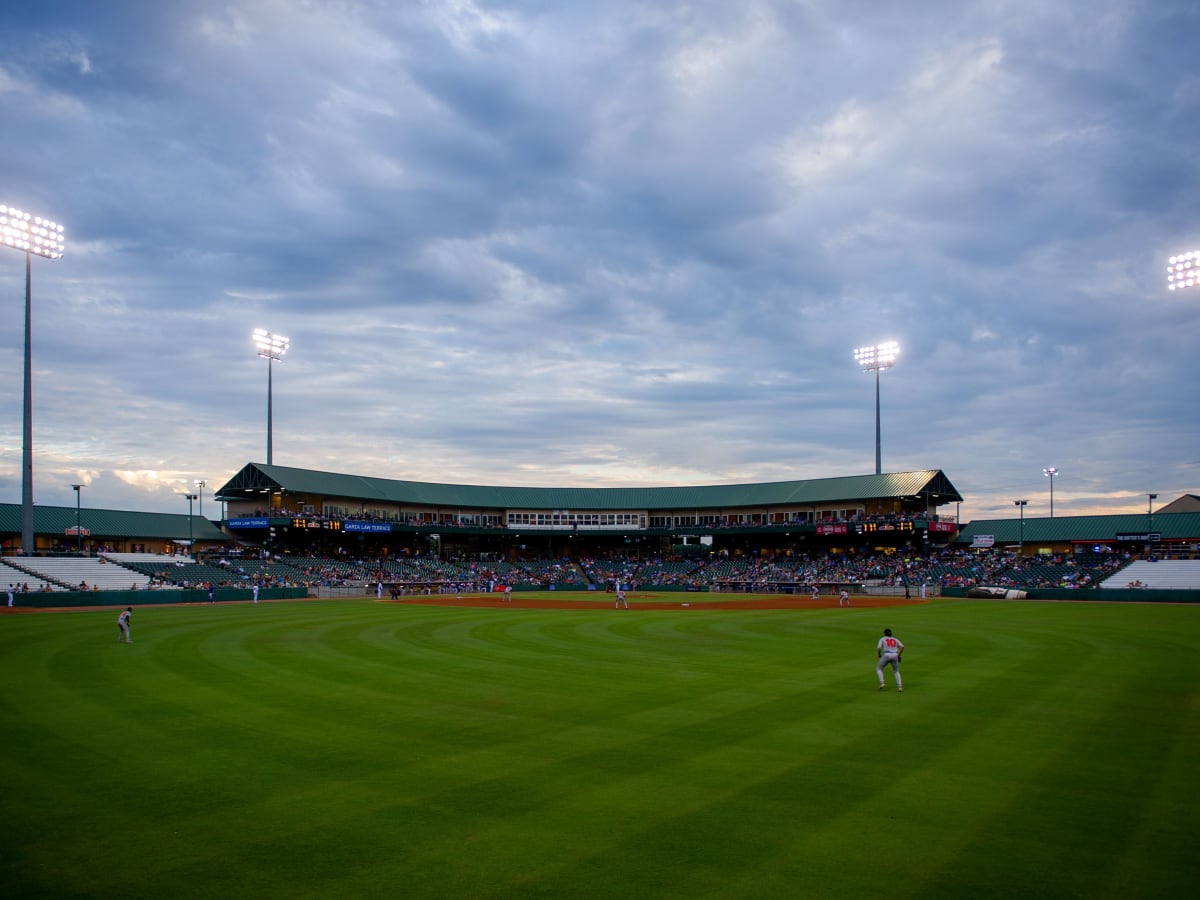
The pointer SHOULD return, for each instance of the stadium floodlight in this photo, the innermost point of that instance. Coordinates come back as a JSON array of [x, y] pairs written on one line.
[[190, 498], [78, 531], [1050, 472], [200, 483], [874, 359], [1183, 270], [1020, 504], [34, 236], [271, 347]]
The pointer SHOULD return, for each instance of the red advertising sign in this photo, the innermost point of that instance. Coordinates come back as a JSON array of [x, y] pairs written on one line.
[[833, 529]]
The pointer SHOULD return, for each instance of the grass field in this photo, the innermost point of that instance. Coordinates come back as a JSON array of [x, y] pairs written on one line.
[[359, 749]]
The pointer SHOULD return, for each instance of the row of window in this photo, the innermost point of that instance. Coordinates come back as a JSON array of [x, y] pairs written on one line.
[[581, 520], [596, 519], [775, 518], [486, 520]]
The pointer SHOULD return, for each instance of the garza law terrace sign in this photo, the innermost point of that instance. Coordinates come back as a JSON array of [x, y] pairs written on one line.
[[370, 527]]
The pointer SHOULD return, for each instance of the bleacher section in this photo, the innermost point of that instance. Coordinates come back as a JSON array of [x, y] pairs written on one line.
[[950, 569], [22, 579], [74, 573], [551, 571], [318, 567], [659, 571], [1165, 574], [604, 572]]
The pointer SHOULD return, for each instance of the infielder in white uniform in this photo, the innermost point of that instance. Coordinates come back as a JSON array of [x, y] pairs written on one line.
[[889, 650]]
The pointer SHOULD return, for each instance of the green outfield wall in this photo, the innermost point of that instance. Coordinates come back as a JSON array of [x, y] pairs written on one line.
[[59, 599], [1115, 595]]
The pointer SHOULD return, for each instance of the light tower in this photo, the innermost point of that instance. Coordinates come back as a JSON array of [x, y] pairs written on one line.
[[1183, 271], [1050, 472], [1150, 498], [78, 531], [271, 347], [34, 236], [200, 483], [874, 359], [1020, 504], [190, 498]]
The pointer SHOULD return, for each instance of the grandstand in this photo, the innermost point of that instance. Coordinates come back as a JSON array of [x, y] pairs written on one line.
[[877, 573], [291, 527]]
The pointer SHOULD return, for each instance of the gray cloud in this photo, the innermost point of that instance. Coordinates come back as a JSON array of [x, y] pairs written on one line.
[[606, 244]]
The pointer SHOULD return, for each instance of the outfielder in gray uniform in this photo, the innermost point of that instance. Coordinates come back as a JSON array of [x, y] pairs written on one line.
[[889, 650]]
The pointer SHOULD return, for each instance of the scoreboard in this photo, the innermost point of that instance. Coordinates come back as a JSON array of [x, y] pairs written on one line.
[[342, 525], [872, 527], [318, 524]]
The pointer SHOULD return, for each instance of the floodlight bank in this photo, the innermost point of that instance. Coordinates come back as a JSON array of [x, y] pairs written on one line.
[[33, 234], [1183, 271]]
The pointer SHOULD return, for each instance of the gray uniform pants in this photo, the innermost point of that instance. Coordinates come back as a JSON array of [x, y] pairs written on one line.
[[893, 660]]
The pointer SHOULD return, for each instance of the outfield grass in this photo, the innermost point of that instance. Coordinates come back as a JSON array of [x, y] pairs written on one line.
[[358, 749]]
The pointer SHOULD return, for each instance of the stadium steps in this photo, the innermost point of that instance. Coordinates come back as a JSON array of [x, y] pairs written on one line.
[[12, 572], [72, 571]]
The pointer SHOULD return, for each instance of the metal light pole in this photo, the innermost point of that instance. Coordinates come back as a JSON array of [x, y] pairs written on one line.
[[190, 498], [1150, 498], [1183, 271], [271, 347], [36, 237], [873, 359], [200, 483], [78, 531], [1050, 472], [1020, 504]]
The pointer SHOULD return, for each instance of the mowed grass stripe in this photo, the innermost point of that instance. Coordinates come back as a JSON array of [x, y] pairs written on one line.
[[323, 749]]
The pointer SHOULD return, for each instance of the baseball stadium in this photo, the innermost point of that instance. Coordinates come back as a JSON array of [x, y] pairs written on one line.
[[893, 534], [350, 686]]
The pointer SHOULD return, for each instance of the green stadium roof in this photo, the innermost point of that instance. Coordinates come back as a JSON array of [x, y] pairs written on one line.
[[1172, 526], [254, 478], [112, 523]]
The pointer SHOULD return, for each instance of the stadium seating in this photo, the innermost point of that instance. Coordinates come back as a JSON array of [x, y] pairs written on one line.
[[1166, 574], [69, 572], [551, 571], [121, 571], [12, 574]]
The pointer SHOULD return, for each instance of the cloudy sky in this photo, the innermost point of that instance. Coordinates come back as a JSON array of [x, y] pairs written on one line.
[[605, 244]]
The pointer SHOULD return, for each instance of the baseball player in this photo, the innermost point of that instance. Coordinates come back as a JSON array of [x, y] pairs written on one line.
[[889, 650], [620, 597], [123, 626]]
